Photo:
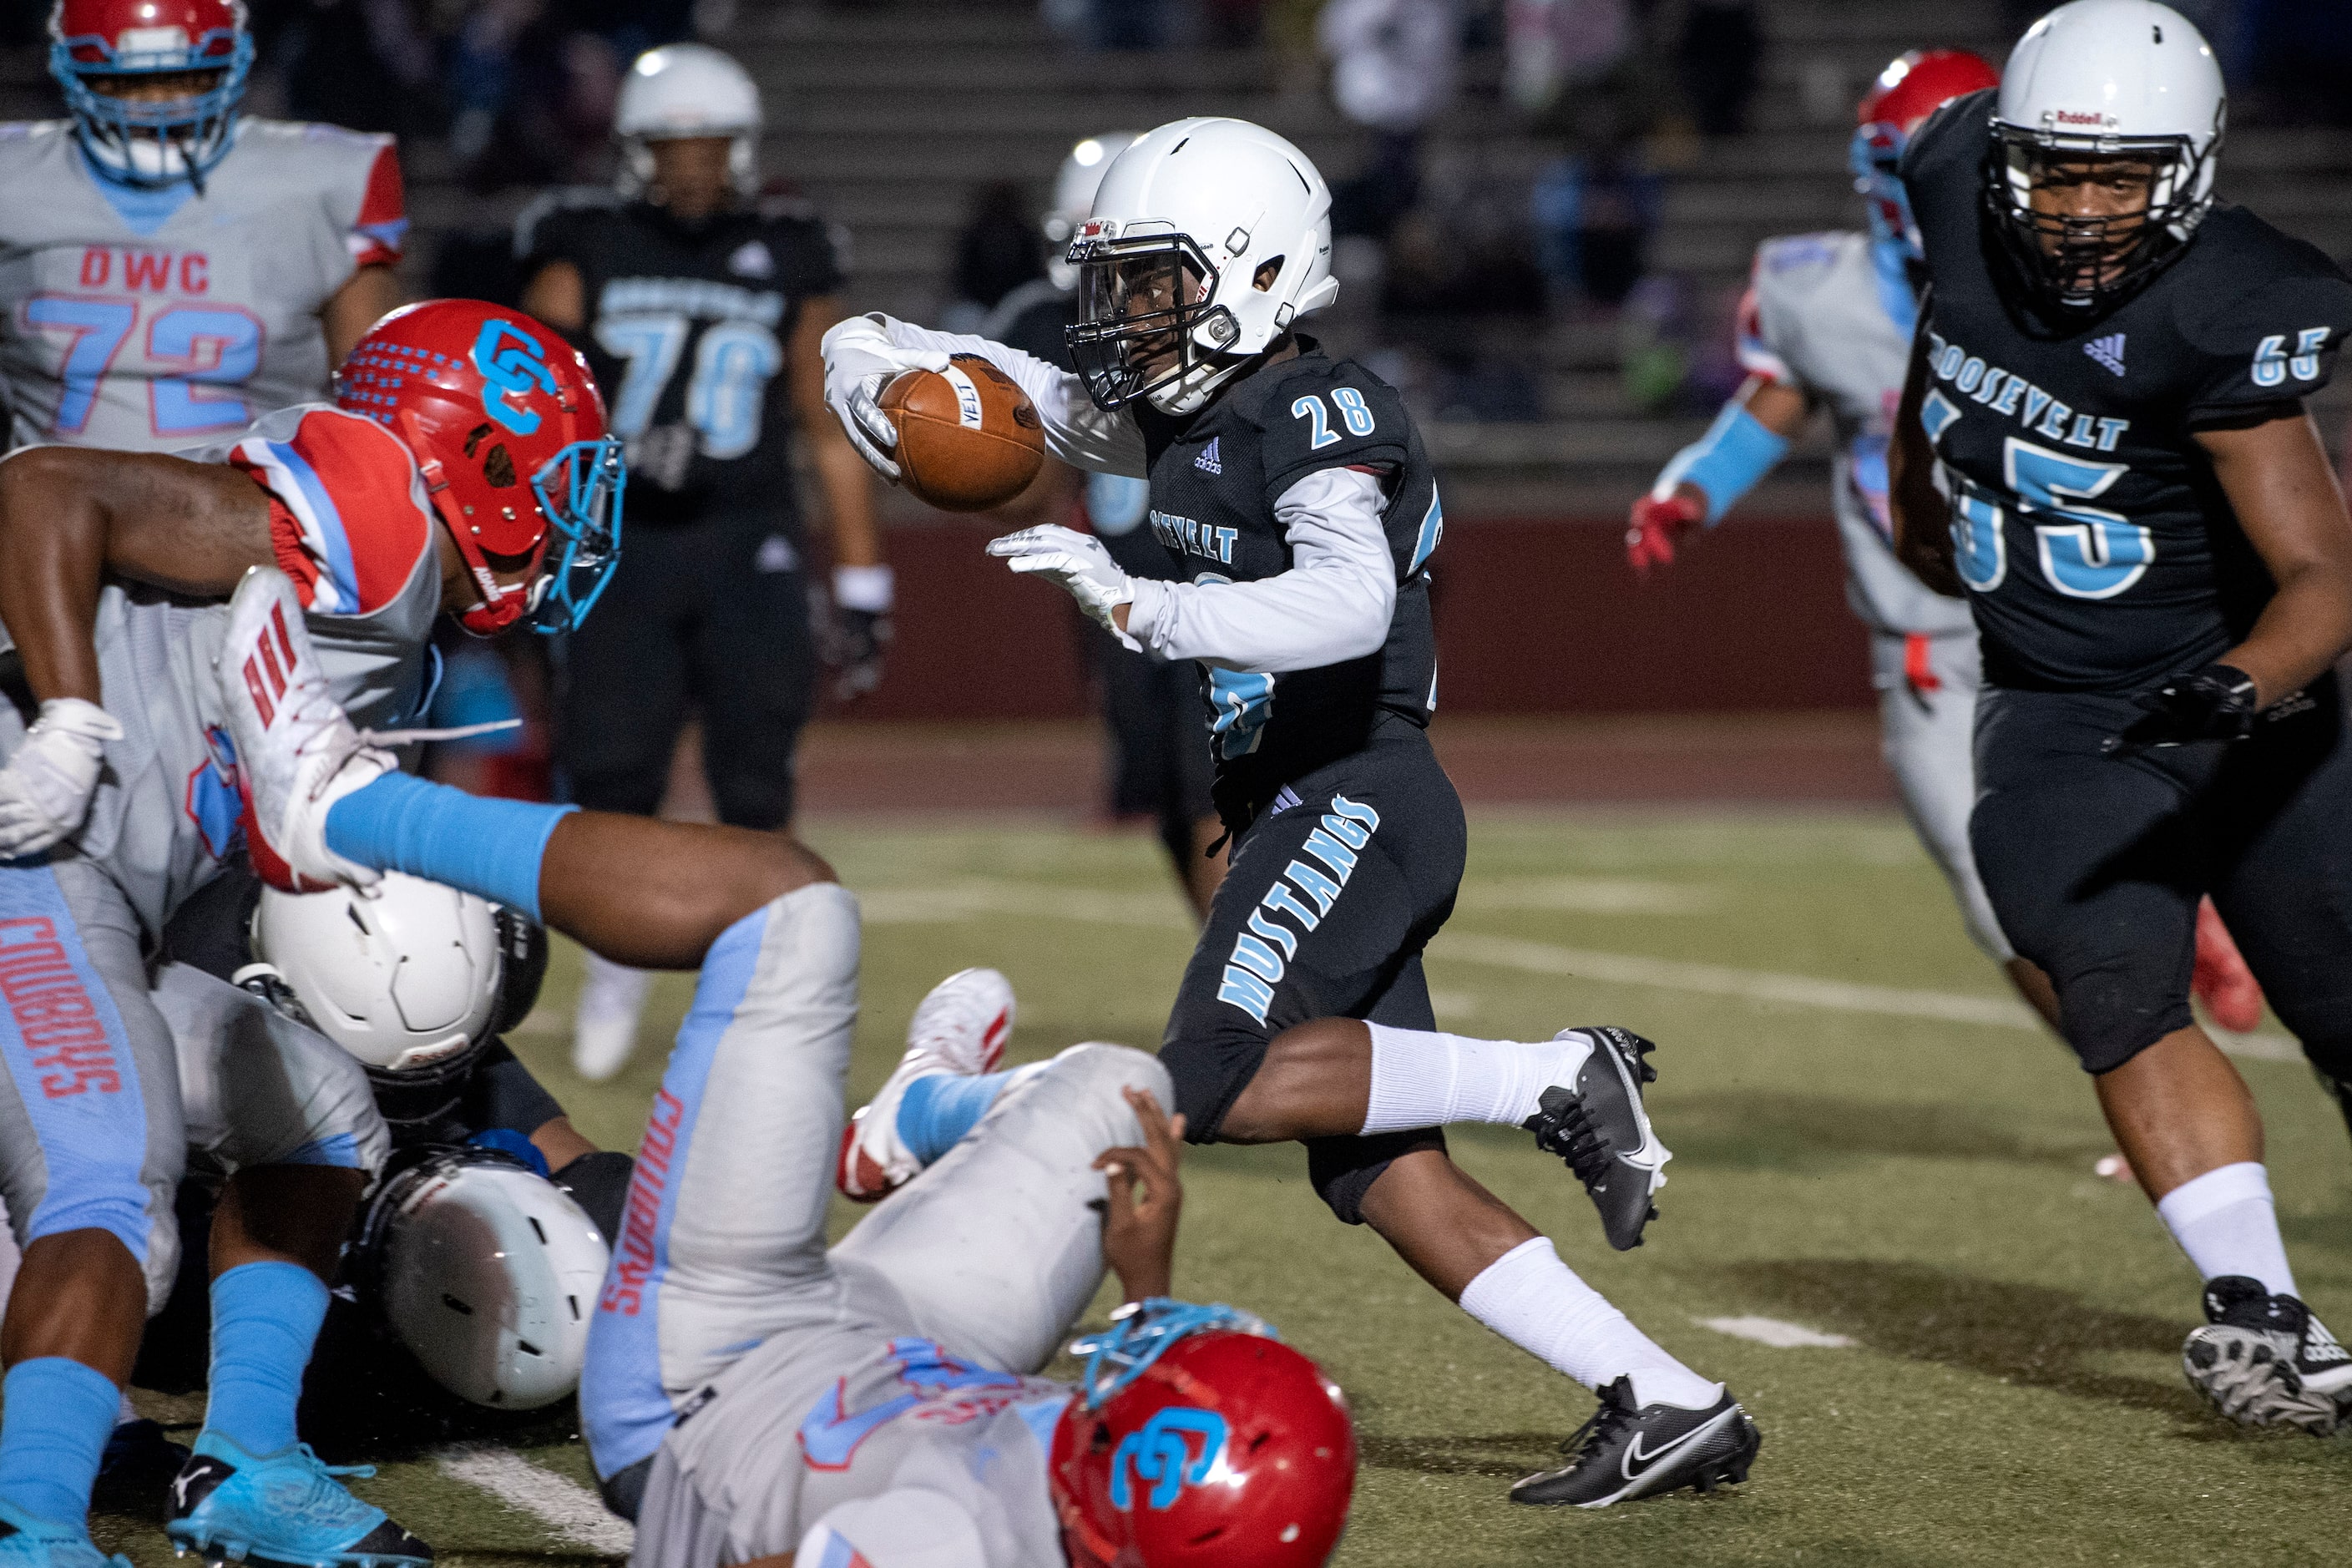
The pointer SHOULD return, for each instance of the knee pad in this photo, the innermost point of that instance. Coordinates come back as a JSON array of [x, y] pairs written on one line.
[[1344, 1169], [1106, 1068]]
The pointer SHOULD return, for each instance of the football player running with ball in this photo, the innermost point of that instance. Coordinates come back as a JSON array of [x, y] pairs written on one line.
[[2110, 374], [1298, 512]]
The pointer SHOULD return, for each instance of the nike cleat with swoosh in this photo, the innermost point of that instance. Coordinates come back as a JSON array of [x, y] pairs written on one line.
[[2264, 1361], [1596, 1122], [1625, 1452]]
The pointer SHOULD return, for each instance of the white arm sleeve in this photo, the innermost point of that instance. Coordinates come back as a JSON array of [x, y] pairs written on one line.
[[1077, 432], [1333, 604]]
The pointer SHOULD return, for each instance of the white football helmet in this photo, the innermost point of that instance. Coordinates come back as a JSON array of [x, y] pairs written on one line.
[[1185, 220], [1074, 183], [2106, 78], [489, 1274], [405, 976], [687, 90]]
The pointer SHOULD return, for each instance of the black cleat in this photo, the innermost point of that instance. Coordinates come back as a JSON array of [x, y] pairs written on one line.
[[1623, 1453], [1598, 1125], [2264, 1361]]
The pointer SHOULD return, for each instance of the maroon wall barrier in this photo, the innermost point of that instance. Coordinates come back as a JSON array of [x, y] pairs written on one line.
[[1534, 616]]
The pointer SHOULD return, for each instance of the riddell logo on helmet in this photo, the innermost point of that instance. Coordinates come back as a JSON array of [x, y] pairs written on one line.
[[2081, 117]]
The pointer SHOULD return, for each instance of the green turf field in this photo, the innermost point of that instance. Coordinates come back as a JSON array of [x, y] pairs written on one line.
[[1867, 1146]]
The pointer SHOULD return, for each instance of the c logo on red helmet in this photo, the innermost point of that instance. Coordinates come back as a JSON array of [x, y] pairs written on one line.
[[513, 366], [1160, 1452]]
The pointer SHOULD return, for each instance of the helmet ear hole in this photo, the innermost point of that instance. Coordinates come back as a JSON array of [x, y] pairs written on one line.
[[498, 467], [1267, 271]]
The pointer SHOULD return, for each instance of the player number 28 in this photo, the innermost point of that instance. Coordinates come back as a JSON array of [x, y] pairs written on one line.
[[1353, 412]]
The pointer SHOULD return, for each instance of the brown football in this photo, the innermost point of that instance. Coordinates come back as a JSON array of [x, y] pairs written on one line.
[[969, 437]]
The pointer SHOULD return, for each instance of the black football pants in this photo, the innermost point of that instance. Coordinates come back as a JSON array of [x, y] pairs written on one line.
[[2096, 863], [711, 616], [1331, 894]]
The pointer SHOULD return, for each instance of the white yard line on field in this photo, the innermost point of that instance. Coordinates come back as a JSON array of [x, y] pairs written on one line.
[[568, 1509], [1036, 900], [1792, 990], [1773, 1332]]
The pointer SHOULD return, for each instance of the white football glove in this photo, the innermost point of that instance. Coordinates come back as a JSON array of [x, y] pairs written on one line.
[[859, 361], [1078, 563], [45, 790]]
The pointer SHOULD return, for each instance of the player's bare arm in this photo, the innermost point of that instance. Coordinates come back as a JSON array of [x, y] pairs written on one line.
[[69, 518], [1923, 534], [1749, 436], [372, 293], [2277, 479]]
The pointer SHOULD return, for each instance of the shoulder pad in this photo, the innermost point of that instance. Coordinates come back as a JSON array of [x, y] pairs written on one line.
[[2274, 329], [1319, 414], [1791, 254], [551, 207], [1945, 134]]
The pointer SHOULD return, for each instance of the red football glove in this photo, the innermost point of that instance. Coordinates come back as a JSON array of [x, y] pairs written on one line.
[[1656, 524]]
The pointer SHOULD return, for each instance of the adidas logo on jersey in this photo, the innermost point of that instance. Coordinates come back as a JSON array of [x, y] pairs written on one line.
[[1208, 462], [753, 259], [2109, 350]]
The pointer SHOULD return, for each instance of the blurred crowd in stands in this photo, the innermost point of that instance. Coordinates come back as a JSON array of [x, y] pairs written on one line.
[[1446, 252]]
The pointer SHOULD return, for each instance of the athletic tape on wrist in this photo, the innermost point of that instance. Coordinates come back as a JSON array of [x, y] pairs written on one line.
[[1726, 462]]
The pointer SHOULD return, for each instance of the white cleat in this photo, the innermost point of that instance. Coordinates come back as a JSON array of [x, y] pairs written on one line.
[[297, 750], [959, 1029], [605, 1032]]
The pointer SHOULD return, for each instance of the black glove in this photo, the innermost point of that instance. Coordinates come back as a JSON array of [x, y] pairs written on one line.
[[854, 651], [2215, 703]]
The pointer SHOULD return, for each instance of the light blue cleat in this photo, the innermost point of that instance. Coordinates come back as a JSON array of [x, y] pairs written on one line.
[[28, 1541], [284, 1507]]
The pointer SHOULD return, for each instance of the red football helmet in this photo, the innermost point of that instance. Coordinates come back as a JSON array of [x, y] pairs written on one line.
[[151, 145], [505, 420], [1199, 1440], [1910, 89]]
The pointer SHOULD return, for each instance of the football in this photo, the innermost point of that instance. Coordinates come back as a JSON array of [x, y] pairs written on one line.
[[969, 437]]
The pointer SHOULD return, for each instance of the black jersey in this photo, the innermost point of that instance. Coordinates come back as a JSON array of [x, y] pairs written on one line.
[[1215, 476], [2098, 549], [1035, 319], [688, 329]]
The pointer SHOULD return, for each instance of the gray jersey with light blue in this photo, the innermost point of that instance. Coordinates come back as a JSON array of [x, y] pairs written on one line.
[[1820, 315]]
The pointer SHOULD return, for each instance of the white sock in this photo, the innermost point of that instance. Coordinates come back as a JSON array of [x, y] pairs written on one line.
[[610, 990], [2227, 1224], [1535, 1302], [1428, 1079]]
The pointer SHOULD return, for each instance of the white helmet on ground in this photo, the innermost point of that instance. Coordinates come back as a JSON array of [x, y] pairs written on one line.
[[405, 976], [2099, 80], [489, 1274], [1208, 238], [1074, 183], [680, 90]]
